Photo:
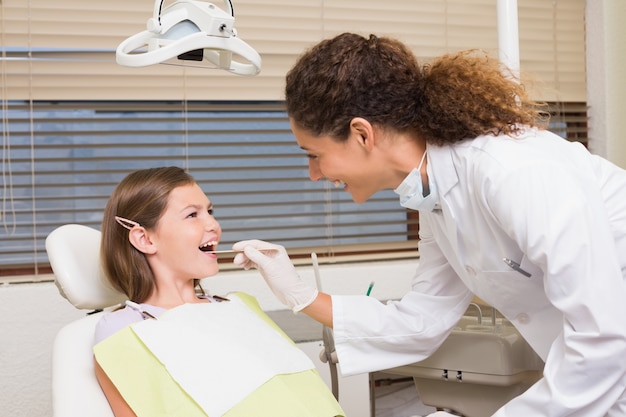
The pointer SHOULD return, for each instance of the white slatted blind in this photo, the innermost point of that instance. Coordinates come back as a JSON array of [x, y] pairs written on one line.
[[552, 47], [72, 44]]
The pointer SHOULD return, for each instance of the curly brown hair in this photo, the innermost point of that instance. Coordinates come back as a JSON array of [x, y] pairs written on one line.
[[456, 97]]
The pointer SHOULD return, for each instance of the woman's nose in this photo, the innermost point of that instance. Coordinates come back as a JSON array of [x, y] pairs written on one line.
[[315, 174]]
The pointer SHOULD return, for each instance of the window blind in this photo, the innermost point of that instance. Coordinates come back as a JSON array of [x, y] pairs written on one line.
[[65, 158], [65, 49], [243, 156]]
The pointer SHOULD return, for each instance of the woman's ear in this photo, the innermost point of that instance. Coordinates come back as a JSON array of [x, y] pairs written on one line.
[[139, 238], [363, 131]]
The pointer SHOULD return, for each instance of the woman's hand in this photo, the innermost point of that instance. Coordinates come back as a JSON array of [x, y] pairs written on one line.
[[279, 273]]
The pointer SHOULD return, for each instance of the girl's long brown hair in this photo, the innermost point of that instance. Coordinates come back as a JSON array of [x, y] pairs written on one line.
[[141, 197]]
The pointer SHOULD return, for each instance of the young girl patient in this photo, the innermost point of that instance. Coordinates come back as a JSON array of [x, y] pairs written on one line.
[[174, 350]]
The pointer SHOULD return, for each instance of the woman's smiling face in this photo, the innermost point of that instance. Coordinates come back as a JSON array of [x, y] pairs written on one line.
[[344, 163]]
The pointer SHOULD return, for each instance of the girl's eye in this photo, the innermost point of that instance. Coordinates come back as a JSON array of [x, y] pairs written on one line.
[[194, 214], [310, 156], [210, 211]]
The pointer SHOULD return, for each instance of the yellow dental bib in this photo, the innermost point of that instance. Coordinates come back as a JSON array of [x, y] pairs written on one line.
[[220, 359]]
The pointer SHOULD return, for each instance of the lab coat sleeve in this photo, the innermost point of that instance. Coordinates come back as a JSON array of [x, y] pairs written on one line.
[[370, 335], [559, 220]]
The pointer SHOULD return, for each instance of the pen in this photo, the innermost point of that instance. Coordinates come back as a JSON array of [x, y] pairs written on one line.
[[369, 289], [514, 265]]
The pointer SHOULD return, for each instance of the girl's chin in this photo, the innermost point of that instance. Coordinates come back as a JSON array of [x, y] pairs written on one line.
[[211, 271]]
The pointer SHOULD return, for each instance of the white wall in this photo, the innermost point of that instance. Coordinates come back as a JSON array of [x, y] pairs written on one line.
[[606, 78], [32, 314]]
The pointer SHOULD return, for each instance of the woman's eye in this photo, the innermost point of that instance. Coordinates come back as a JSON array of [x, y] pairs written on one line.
[[210, 211], [194, 214], [311, 156]]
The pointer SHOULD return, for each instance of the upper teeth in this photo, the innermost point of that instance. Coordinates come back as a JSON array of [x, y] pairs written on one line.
[[337, 183], [212, 243]]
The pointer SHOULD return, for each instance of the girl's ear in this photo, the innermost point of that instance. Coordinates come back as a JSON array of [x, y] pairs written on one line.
[[139, 238], [363, 131]]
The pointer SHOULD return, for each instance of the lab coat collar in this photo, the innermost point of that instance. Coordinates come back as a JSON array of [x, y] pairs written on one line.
[[445, 175], [442, 167]]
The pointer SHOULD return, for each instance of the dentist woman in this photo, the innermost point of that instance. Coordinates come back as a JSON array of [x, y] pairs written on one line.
[[531, 223]]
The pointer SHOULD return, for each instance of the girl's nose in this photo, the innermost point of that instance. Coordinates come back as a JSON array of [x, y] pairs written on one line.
[[211, 223]]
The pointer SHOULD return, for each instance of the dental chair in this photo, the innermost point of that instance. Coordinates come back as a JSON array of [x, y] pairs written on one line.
[[74, 255]]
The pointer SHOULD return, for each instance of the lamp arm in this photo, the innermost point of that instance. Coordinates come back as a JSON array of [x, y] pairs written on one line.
[[158, 6], [229, 7]]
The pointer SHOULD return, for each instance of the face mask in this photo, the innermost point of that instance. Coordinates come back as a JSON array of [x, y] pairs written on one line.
[[411, 191]]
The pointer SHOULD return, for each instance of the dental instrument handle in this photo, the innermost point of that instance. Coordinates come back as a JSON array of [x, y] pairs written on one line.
[[316, 271], [237, 251], [328, 354]]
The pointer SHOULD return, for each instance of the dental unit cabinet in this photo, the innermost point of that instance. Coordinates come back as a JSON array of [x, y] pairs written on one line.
[[477, 369]]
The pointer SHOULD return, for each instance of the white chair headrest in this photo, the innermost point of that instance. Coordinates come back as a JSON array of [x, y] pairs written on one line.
[[74, 255]]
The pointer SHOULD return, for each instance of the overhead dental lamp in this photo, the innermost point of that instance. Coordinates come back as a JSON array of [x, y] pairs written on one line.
[[190, 33]]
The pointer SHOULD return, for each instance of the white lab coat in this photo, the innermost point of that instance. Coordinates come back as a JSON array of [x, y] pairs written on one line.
[[555, 209]]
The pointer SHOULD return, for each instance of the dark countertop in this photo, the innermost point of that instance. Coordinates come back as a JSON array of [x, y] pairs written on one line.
[[299, 327]]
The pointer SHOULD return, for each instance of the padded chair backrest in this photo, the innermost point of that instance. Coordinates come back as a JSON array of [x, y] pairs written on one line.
[[74, 255], [75, 389]]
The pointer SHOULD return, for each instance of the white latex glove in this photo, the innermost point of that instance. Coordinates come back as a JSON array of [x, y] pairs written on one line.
[[441, 414], [277, 270]]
